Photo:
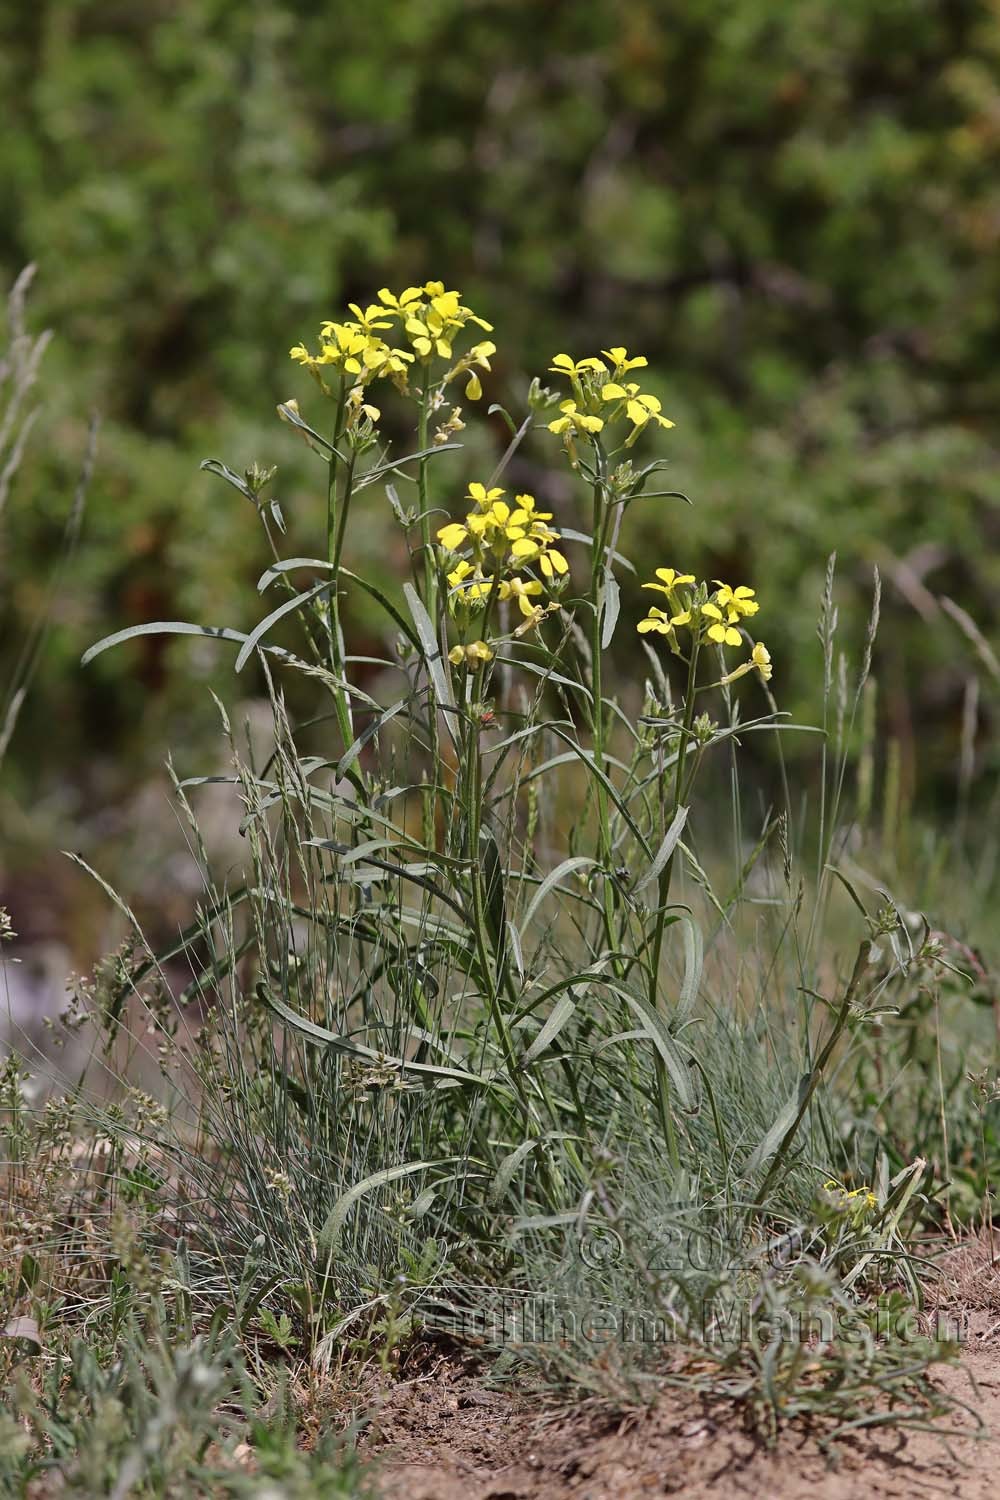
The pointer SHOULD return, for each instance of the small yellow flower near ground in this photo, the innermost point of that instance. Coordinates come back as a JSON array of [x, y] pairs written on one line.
[[574, 420], [470, 656], [861, 1197], [516, 538]]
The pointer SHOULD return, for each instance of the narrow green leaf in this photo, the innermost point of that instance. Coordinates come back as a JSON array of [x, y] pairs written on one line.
[[160, 627], [666, 849], [612, 606], [505, 1172], [351, 754], [223, 471], [564, 1008], [431, 652], [329, 1236], [320, 1037], [286, 566], [668, 1049], [770, 1142], [551, 881], [298, 601], [694, 961]]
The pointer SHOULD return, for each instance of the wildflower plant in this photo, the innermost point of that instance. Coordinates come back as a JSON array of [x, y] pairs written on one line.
[[458, 973], [494, 589]]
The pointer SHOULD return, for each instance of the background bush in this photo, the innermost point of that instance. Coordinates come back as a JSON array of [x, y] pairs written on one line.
[[793, 213]]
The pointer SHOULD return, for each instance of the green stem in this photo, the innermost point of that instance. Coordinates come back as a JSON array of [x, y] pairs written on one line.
[[337, 508], [429, 568], [597, 601], [666, 875], [334, 475]]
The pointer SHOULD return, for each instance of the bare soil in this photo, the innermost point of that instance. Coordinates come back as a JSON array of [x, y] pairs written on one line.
[[446, 1435]]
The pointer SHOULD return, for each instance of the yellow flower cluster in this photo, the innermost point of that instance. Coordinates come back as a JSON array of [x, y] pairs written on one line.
[[503, 539], [429, 317], [710, 615], [858, 1198], [602, 394]]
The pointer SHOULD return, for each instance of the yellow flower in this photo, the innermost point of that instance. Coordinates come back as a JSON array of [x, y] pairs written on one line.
[[574, 368], [526, 514], [471, 656], [432, 325], [857, 1198], [735, 602], [517, 588], [621, 362], [469, 583], [485, 525], [662, 623], [669, 580], [370, 318], [402, 304], [640, 409], [343, 343], [483, 497], [381, 359], [761, 658], [573, 420], [479, 355], [301, 355], [537, 547], [453, 535], [490, 524], [719, 631], [357, 407]]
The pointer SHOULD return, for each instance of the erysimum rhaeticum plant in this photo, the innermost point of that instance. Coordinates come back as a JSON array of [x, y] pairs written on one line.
[[465, 896]]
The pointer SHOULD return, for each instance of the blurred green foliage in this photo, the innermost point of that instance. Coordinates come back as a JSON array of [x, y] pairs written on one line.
[[794, 211]]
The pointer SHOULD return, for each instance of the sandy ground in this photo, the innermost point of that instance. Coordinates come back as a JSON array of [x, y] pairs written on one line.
[[445, 1435], [462, 1442]]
